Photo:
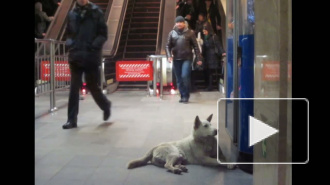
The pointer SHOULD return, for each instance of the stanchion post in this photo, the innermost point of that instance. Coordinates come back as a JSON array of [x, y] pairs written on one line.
[[52, 76], [155, 76], [148, 82], [161, 77]]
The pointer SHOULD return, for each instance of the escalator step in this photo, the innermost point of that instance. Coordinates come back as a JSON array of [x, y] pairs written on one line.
[[155, 3], [146, 1], [146, 9], [143, 24], [142, 55], [142, 36], [143, 14], [144, 30], [144, 18], [142, 42]]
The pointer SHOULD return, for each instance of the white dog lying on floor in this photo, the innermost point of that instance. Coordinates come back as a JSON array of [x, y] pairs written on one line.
[[198, 148]]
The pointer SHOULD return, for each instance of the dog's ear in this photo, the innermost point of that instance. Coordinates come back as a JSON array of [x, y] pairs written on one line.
[[197, 122], [209, 118]]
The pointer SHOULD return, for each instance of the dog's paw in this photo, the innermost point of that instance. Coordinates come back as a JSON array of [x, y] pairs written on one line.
[[183, 168], [231, 166], [177, 171]]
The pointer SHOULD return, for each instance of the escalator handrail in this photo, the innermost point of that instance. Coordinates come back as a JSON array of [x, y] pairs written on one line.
[[129, 27], [60, 19], [56, 28], [114, 49], [107, 11], [160, 28]]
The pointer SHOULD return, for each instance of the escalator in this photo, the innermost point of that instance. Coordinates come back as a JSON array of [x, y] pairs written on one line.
[[139, 36], [133, 32]]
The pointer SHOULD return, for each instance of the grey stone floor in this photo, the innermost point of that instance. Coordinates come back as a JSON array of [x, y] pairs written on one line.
[[97, 152]]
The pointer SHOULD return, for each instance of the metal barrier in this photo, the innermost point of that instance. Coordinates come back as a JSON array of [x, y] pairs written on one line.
[[159, 74], [52, 70]]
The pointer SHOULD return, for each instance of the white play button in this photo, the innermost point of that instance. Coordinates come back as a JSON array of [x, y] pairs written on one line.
[[259, 131]]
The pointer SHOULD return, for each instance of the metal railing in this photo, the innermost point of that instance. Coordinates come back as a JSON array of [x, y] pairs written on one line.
[[52, 71], [51, 68]]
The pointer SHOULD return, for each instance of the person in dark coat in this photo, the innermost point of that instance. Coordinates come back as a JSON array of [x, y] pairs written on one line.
[[50, 6], [188, 13], [212, 61], [40, 21], [199, 24], [180, 43], [86, 33], [178, 8], [213, 17]]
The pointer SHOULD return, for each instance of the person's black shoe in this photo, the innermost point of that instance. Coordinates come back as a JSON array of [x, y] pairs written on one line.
[[69, 124], [107, 113], [180, 101], [184, 100]]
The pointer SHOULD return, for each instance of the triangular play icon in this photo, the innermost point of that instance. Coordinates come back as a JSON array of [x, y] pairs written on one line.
[[259, 131]]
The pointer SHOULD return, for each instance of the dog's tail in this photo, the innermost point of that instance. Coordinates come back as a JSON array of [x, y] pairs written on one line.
[[142, 161]]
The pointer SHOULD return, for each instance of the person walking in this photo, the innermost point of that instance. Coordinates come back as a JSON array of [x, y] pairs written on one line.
[[212, 53], [180, 43], [86, 33]]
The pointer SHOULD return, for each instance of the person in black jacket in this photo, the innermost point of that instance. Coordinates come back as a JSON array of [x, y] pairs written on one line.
[[213, 17], [178, 7], [212, 61], [40, 21], [180, 42], [199, 24], [188, 13], [49, 6], [86, 33]]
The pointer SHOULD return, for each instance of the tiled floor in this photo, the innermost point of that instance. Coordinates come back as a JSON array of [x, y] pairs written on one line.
[[97, 152]]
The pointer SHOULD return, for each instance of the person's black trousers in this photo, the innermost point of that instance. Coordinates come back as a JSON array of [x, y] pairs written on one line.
[[209, 77], [91, 77]]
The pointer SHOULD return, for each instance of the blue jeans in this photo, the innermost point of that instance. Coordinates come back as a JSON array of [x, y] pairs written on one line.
[[182, 69]]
